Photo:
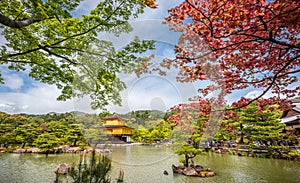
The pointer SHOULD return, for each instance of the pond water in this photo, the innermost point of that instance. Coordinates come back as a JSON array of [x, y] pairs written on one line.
[[147, 163]]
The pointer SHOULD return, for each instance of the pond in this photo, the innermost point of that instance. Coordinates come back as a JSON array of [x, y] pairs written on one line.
[[147, 163]]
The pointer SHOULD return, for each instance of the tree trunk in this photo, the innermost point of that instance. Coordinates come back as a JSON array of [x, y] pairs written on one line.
[[242, 139], [23, 144], [47, 152], [187, 160]]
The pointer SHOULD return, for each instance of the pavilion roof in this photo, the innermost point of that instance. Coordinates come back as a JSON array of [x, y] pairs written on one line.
[[113, 117], [114, 126]]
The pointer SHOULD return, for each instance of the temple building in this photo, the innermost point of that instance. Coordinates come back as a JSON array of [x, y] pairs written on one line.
[[291, 118], [115, 128]]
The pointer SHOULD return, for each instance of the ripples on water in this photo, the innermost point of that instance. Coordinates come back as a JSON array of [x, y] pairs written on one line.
[[146, 164]]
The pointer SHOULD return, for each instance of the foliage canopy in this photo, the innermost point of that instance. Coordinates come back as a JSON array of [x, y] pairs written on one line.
[[58, 47], [238, 44]]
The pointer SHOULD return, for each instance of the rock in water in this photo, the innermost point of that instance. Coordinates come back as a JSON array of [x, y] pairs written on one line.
[[166, 172], [63, 169], [189, 171]]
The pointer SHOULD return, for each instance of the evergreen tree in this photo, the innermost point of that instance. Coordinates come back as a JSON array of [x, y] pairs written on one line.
[[46, 142], [96, 171], [261, 123]]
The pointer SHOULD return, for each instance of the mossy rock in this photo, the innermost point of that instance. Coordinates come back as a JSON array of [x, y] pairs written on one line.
[[197, 170]]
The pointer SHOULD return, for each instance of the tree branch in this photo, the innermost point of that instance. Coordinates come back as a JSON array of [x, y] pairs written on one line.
[[65, 39], [17, 23], [91, 29], [27, 62], [271, 40], [18, 61], [270, 85], [57, 55], [79, 50], [206, 17]]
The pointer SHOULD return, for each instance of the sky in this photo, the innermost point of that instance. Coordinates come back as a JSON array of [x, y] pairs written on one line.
[[21, 94]]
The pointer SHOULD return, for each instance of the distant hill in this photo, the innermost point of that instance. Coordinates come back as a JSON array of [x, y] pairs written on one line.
[[146, 118]]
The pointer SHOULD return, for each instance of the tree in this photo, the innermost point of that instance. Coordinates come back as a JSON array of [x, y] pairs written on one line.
[[261, 123], [196, 119], [58, 128], [238, 45], [58, 48], [74, 134], [26, 133], [141, 116], [96, 171], [95, 136], [193, 126], [46, 142], [8, 124], [189, 153], [142, 135], [228, 127]]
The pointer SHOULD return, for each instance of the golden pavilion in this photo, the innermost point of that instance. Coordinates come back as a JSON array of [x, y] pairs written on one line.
[[116, 129]]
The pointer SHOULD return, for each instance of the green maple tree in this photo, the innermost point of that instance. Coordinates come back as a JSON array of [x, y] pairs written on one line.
[[58, 48]]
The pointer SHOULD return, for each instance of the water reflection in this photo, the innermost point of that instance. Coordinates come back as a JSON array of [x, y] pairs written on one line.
[[146, 164]]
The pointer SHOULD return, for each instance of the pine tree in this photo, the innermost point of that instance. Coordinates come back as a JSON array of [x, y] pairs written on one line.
[[261, 123], [96, 171]]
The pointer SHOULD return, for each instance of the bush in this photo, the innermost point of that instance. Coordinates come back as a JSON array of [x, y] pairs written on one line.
[[96, 171], [10, 150], [294, 153], [244, 153], [282, 148], [253, 146]]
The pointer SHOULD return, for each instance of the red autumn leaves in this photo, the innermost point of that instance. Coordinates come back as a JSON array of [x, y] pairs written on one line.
[[238, 44]]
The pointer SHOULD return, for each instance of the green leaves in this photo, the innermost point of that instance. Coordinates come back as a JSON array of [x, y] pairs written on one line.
[[261, 123], [95, 171], [47, 141], [187, 149], [57, 48]]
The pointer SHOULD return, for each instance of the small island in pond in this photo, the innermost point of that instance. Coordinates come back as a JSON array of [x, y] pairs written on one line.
[[196, 170]]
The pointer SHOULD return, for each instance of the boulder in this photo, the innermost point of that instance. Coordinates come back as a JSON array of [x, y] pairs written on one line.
[[197, 170], [63, 169], [189, 171], [166, 172], [210, 173], [33, 150], [19, 150]]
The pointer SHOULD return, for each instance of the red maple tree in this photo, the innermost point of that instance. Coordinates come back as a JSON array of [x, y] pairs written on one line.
[[238, 44]]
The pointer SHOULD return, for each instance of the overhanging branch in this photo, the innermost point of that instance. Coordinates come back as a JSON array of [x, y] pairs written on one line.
[[17, 23]]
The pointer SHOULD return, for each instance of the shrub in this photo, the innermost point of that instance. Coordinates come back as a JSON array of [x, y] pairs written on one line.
[[294, 153], [96, 171]]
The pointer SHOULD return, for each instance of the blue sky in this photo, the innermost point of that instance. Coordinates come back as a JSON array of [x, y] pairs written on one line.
[[22, 94]]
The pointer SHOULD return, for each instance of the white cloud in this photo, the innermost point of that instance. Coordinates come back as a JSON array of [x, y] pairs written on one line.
[[13, 81], [7, 107], [38, 100], [160, 93], [152, 91], [247, 93], [147, 29], [253, 94]]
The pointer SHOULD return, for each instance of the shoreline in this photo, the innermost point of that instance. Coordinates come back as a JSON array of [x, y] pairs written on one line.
[[104, 149]]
